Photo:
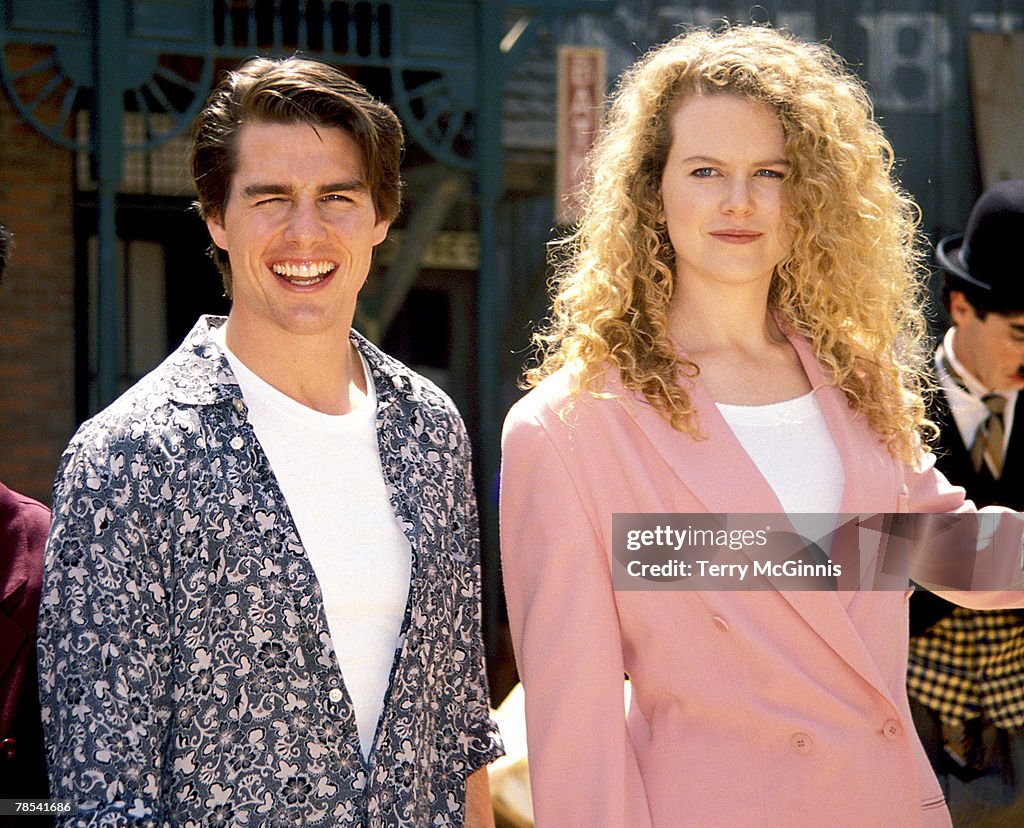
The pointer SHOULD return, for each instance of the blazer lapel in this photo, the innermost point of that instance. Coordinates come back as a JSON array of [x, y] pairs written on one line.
[[713, 467], [724, 479], [870, 479]]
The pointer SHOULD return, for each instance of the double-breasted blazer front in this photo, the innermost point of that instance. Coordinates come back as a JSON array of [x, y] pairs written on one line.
[[759, 708]]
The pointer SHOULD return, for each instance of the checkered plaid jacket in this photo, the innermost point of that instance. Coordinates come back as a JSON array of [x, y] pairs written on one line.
[[971, 664]]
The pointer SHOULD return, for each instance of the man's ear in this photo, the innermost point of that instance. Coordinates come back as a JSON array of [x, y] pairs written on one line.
[[380, 231], [217, 232], [960, 310]]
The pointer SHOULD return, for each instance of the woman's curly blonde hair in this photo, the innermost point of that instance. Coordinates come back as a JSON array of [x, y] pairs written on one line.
[[852, 283]]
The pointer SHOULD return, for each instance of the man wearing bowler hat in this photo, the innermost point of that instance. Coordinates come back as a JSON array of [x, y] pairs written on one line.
[[966, 671]]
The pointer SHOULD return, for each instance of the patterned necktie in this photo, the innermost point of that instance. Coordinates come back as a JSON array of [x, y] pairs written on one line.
[[990, 436], [988, 439]]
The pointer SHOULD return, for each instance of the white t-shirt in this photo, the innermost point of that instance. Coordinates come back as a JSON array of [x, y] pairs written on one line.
[[328, 467], [791, 446]]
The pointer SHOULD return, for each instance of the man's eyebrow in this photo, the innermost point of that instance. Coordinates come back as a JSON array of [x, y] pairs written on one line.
[[352, 185], [265, 189], [1017, 327]]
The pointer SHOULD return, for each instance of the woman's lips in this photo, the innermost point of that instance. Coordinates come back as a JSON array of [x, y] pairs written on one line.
[[736, 236]]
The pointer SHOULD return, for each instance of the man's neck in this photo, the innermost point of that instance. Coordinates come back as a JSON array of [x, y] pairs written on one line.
[[322, 372]]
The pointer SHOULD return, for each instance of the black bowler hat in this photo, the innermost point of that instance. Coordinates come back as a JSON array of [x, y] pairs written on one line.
[[986, 256]]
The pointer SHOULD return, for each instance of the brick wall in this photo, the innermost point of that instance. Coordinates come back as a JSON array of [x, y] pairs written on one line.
[[36, 306]]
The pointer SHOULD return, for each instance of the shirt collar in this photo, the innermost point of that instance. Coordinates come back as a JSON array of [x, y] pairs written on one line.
[[198, 372]]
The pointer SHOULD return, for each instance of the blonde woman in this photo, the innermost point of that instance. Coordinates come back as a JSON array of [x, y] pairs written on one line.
[[736, 328]]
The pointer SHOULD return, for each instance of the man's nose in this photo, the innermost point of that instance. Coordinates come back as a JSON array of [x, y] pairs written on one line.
[[305, 224]]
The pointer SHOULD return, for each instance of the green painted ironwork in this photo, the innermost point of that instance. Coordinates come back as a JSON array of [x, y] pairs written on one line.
[[69, 41], [156, 57]]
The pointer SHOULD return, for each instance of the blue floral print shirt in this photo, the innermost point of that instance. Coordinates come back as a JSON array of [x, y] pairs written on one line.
[[187, 673]]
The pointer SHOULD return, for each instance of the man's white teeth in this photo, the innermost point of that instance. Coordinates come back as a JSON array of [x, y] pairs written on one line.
[[307, 273]]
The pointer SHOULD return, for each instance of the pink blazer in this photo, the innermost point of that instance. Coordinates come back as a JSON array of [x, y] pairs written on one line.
[[749, 708]]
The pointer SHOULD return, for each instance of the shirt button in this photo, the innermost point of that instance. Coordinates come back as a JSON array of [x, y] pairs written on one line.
[[891, 729], [239, 405], [336, 695], [237, 442], [720, 622], [801, 743]]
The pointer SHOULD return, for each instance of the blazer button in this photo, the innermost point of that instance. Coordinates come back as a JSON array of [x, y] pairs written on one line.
[[720, 622], [891, 729], [336, 695], [801, 743]]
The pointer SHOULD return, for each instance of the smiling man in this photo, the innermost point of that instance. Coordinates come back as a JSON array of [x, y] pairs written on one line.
[[966, 672], [261, 598]]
